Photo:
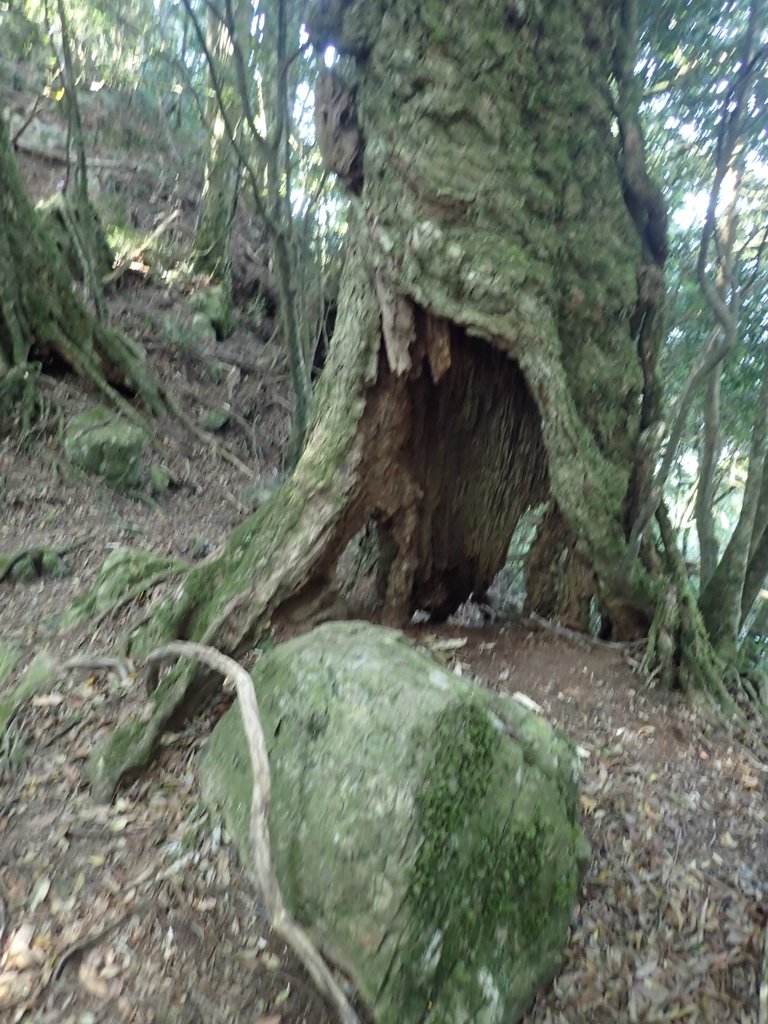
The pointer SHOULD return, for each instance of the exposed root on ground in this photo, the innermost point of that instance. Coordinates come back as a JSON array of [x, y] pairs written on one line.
[[279, 917]]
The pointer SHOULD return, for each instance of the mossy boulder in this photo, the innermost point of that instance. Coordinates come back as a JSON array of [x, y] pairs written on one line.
[[424, 830], [217, 419], [160, 478], [214, 304], [107, 445], [31, 565], [200, 332]]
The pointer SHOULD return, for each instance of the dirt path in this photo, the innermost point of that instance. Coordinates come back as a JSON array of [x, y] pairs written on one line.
[[139, 911]]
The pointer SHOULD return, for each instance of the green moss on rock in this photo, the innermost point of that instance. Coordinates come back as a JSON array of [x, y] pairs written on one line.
[[425, 831], [107, 445], [39, 674]]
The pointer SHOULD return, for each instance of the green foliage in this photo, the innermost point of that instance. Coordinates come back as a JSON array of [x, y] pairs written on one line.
[[691, 59], [503, 859]]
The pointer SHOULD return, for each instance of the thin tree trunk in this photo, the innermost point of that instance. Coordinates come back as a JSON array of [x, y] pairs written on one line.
[[81, 222], [279, 199], [212, 253], [265, 161], [722, 602], [709, 454]]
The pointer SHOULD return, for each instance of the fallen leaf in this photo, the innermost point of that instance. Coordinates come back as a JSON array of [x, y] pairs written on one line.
[[19, 954], [92, 982], [47, 700], [282, 997], [588, 803], [447, 643], [41, 890]]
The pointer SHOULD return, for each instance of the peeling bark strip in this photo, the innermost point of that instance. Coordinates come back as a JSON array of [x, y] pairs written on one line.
[[398, 325], [437, 337]]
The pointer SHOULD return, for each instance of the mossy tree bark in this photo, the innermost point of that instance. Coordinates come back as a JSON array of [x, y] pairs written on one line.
[[757, 568], [41, 315], [495, 346], [493, 203]]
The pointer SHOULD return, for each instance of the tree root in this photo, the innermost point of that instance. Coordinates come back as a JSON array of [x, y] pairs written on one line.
[[271, 557], [36, 558], [279, 917], [205, 437], [578, 639], [287, 547], [679, 651]]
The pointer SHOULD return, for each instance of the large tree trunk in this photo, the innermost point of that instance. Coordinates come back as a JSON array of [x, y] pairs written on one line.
[[41, 315], [493, 203], [492, 346], [757, 569]]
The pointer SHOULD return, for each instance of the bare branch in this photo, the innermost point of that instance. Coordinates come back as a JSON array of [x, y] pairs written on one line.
[[230, 129]]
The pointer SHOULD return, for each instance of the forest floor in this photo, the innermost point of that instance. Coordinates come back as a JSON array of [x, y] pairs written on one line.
[[139, 911]]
